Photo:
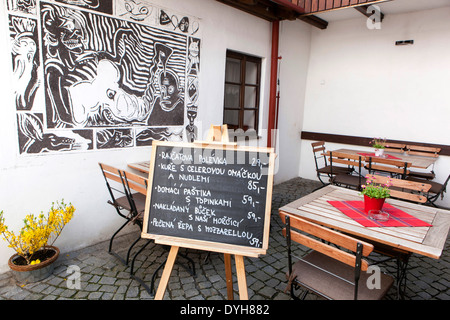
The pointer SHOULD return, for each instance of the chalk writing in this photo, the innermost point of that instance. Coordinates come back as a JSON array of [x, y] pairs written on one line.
[[208, 194]]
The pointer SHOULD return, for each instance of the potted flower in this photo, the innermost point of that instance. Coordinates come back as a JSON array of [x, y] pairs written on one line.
[[379, 144], [374, 194], [35, 253]]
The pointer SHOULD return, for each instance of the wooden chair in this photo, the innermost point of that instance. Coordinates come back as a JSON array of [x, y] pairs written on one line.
[[119, 200], [395, 147], [426, 152], [437, 189], [322, 167], [412, 191], [395, 168], [351, 161], [334, 269], [136, 189], [423, 151]]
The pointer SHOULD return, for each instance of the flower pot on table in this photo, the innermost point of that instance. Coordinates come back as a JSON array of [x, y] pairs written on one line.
[[379, 152], [373, 203]]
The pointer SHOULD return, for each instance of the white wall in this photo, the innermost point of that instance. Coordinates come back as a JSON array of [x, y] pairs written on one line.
[[30, 184], [359, 83], [294, 51]]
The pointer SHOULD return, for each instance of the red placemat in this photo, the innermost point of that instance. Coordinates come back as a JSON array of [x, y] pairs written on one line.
[[386, 156], [397, 217]]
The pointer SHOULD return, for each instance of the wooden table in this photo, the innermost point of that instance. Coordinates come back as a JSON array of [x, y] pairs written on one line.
[[426, 241], [416, 161], [143, 166]]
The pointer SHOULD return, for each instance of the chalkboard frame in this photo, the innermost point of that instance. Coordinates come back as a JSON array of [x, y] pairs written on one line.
[[202, 244]]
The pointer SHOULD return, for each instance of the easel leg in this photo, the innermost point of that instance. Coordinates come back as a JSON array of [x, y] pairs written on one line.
[[166, 273], [242, 281], [229, 275]]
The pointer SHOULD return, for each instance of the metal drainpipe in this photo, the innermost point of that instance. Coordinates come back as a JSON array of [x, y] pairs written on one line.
[[273, 83]]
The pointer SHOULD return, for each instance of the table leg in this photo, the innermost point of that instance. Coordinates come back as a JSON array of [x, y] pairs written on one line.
[[402, 268]]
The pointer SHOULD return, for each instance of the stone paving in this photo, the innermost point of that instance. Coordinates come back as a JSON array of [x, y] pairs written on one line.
[[104, 277]]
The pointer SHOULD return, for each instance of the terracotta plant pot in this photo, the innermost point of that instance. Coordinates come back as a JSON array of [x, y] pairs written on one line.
[[373, 203], [24, 273]]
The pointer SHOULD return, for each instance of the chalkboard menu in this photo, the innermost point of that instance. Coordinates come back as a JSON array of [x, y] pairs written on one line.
[[212, 194]]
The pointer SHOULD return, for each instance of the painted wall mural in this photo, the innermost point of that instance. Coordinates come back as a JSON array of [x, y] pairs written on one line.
[[102, 74]]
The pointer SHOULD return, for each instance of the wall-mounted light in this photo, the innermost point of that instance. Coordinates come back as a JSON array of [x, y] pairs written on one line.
[[404, 42]]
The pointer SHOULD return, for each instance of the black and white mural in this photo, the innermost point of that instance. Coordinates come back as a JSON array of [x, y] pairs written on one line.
[[102, 74]]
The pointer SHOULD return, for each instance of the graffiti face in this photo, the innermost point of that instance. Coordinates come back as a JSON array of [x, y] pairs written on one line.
[[169, 91], [63, 29], [137, 10], [71, 35]]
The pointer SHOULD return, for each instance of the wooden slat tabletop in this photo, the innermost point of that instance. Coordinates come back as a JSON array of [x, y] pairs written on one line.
[[143, 166], [427, 241]]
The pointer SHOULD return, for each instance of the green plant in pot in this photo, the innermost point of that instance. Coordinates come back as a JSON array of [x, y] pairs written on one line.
[[379, 144], [374, 194], [35, 253]]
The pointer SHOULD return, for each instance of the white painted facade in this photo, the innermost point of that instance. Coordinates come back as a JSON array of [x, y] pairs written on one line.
[[329, 80], [360, 84]]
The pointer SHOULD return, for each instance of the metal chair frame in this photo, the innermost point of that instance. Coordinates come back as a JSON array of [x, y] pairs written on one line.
[[319, 147], [433, 196], [340, 247], [113, 174], [352, 161], [140, 185], [395, 168]]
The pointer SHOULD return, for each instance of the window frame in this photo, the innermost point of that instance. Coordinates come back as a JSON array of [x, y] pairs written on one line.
[[244, 58]]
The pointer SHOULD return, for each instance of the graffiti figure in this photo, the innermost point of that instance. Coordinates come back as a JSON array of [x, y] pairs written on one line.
[[25, 65], [32, 138], [70, 68]]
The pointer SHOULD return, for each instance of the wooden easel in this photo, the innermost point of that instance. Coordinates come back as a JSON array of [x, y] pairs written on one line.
[[216, 134]]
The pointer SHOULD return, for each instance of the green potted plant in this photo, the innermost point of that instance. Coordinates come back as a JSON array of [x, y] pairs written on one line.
[[35, 253], [378, 144], [374, 194]]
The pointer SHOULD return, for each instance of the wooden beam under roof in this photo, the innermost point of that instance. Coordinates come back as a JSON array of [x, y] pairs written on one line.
[[271, 11], [265, 9], [304, 10], [319, 6]]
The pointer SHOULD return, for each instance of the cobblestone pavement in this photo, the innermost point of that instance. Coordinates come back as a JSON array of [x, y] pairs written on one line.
[[104, 277]]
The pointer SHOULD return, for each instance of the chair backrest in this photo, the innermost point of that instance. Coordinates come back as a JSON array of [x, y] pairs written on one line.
[[351, 160], [404, 189], [318, 151], [336, 245], [423, 151], [113, 174], [116, 187], [395, 147], [397, 167], [135, 182]]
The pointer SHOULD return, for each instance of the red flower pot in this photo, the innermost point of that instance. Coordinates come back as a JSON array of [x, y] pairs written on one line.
[[373, 203]]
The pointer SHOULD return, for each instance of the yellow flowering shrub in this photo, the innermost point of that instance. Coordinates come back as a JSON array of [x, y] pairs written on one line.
[[38, 231]]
